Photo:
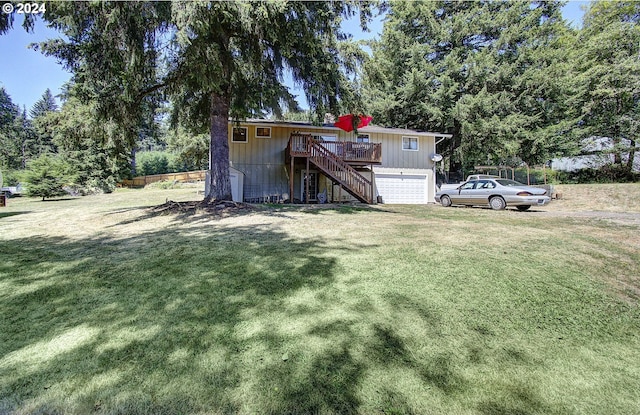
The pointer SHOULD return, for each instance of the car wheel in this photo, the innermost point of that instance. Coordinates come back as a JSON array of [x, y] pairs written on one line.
[[497, 203], [445, 200], [523, 207]]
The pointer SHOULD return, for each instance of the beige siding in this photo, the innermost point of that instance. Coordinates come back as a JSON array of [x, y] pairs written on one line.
[[262, 160], [394, 156]]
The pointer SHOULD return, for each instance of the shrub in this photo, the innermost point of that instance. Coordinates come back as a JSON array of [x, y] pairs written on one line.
[[156, 162], [47, 176], [165, 184], [610, 173], [10, 177]]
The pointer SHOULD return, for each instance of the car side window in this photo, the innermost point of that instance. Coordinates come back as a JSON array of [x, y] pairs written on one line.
[[468, 185], [485, 184]]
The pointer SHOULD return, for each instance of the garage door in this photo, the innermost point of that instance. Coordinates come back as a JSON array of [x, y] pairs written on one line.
[[402, 188]]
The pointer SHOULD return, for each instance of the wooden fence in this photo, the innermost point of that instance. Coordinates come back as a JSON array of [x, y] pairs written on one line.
[[188, 176]]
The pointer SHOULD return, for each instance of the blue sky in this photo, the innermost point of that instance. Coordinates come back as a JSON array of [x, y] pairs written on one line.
[[26, 74]]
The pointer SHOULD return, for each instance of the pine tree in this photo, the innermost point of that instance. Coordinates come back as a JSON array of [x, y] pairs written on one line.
[[9, 133], [227, 59], [45, 104], [46, 176], [18, 141], [84, 142], [41, 123], [608, 79], [483, 71]]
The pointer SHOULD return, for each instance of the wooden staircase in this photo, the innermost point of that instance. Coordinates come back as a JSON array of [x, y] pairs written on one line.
[[332, 166]]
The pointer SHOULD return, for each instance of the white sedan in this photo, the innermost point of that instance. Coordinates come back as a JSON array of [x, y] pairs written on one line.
[[496, 193]]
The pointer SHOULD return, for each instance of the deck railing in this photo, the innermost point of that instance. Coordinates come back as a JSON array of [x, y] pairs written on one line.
[[356, 153], [332, 164], [353, 181]]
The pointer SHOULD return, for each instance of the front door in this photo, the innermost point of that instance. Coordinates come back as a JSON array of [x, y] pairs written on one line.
[[313, 186]]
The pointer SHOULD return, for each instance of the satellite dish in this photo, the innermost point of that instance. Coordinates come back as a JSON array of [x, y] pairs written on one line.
[[436, 157]]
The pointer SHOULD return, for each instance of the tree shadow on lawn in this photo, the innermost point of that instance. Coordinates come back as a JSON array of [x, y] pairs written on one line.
[[231, 320], [147, 324], [9, 214]]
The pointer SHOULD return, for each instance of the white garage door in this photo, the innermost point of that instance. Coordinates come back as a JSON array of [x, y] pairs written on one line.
[[402, 188]]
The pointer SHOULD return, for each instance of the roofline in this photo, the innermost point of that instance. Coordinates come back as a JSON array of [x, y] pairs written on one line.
[[368, 129]]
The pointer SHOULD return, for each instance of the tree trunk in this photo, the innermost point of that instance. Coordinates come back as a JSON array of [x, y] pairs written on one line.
[[455, 163], [617, 154], [632, 154], [220, 182]]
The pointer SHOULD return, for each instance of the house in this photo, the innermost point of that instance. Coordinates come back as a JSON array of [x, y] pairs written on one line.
[[597, 152], [279, 161]]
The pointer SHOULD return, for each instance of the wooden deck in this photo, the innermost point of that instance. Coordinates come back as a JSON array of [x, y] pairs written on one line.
[[336, 160], [350, 152]]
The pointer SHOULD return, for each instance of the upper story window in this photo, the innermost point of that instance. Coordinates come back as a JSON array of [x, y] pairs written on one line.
[[263, 132], [240, 135], [362, 138], [410, 143]]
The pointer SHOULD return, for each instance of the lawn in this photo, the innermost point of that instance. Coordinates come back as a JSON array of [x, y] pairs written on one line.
[[107, 308]]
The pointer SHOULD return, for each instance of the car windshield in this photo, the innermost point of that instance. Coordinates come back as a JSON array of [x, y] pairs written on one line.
[[508, 183]]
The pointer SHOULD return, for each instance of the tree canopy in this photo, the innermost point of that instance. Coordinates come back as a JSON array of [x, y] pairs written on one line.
[[608, 76], [490, 73], [511, 81], [213, 59]]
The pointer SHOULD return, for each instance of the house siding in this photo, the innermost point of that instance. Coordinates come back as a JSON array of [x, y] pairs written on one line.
[[394, 156], [262, 160]]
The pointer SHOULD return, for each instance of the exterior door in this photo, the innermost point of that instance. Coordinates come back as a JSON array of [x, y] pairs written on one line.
[[313, 186]]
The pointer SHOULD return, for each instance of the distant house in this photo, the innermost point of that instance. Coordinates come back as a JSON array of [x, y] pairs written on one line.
[[596, 152], [279, 161]]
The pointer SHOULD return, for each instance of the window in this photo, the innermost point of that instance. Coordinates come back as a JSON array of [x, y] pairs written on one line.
[[362, 138], [324, 137], [468, 185], [263, 132], [410, 143], [239, 135], [485, 184]]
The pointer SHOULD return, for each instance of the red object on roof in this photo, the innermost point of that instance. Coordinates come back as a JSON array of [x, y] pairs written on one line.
[[345, 122]]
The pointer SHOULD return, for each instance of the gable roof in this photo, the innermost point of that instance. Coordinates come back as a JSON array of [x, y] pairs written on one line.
[[368, 129]]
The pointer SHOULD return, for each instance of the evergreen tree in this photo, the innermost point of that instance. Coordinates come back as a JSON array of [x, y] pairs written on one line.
[[608, 81], [490, 73], [39, 119], [192, 150], [84, 141], [27, 138], [110, 49], [9, 133], [227, 59], [18, 141], [46, 176], [45, 104]]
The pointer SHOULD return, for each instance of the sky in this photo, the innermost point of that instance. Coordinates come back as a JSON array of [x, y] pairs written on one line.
[[26, 74]]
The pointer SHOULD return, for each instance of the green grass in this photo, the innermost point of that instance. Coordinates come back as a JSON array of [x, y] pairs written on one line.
[[107, 309]]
